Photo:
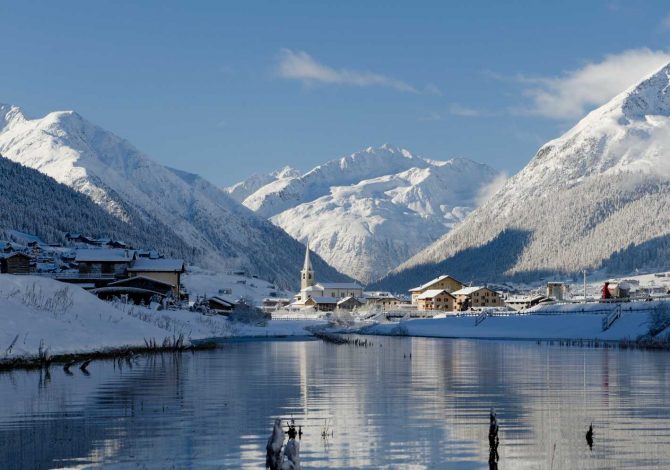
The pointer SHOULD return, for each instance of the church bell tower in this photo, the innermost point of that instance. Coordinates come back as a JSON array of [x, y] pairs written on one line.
[[307, 274]]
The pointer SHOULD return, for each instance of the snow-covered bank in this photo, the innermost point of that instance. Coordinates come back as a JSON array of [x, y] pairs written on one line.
[[42, 316], [552, 322], [39, 314]]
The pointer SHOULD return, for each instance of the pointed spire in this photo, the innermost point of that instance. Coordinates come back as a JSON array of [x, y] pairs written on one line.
[[308, 262]]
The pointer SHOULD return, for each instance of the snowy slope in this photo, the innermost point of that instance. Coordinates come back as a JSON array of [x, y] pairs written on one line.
[[31, 201], [367, 212], [596, 197], [63, 318], [246, 188], [118, 177], [285, 193], [38, 312]]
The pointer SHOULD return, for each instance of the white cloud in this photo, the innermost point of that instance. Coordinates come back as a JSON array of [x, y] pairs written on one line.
[[298, 65], [574, 93], [486, 192]]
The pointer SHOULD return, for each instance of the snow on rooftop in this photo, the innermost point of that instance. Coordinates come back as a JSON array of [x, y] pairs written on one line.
[[433, 281], [158, 265], [339, 285], [429, 294], [325, 300], [312, 289], [468, 290], [93, 255]]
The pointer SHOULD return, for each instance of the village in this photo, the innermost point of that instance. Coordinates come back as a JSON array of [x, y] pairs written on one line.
[[115, 271]]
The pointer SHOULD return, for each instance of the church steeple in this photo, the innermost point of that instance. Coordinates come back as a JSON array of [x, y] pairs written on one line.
[[307, 274]]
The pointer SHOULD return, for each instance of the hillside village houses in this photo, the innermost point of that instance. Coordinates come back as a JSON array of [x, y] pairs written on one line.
[[475, 297], [107, 268], [123, 272], [14, 263], [383, 301], [435, 299], [446, 293], [446, 283]]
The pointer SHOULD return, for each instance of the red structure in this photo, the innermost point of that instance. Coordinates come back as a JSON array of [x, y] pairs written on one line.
[[606, 291]]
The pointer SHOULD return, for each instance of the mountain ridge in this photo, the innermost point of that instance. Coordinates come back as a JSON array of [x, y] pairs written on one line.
[[129, 185], [367, 212], [599, 190]]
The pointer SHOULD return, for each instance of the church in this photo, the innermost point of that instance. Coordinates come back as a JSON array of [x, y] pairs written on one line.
[[323, 295]]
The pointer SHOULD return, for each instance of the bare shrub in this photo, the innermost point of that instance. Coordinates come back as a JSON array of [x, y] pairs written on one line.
[[59, 303]]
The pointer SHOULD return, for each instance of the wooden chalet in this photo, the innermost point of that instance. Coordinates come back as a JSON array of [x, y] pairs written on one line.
[[220, 305], [137, 289], [14, 263]]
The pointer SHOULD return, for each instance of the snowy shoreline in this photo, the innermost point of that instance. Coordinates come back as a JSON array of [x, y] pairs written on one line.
[[48, 321], [569, 322]]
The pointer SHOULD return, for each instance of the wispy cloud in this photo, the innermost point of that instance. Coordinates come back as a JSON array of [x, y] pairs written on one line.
[[487, 191], [432, 116], [464, 111], [572, 94], [299, 65], [432, 89]]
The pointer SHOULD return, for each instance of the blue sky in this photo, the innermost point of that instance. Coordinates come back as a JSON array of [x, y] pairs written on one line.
[[227, 89]]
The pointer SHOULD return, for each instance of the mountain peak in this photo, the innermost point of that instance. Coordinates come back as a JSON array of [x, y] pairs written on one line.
[[286, 172], [649, 97], [10, 115]]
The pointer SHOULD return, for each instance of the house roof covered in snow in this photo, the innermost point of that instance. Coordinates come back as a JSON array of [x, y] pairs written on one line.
[[12, 254], [134, 279], [433, 281], [339, 285], [312, 289], [157, 265], [379, 295], [429, 294], [221, 301], [104, 255], [468, 290], [349, 299], [325, 300]]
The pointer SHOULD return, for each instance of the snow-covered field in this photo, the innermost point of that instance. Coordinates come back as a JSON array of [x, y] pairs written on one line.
[[567, 321], [39, 314], [201, 282]]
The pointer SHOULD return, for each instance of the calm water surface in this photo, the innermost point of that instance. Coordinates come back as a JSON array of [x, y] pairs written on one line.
[[214, 409]]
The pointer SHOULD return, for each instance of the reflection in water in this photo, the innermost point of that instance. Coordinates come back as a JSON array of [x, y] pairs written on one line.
[[416, 402]]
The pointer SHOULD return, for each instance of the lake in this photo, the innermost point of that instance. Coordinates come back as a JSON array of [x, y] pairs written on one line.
[[401, 403]]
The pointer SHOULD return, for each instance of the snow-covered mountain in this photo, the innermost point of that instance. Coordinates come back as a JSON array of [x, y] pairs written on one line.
[[35, 203], [218, 231], [246, 188], [367, 212], [596, 197]]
